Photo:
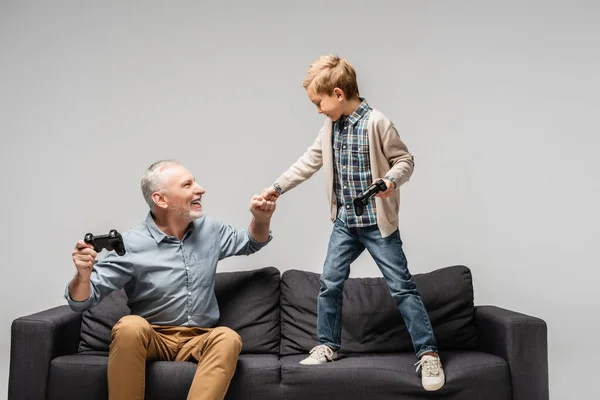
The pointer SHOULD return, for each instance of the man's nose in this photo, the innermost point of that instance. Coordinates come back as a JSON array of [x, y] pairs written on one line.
[[200, 189]]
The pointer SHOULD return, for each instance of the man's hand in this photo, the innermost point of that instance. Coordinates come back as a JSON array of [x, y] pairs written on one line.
[[261, 208], [83, 258], [386, 193], [270, 194]]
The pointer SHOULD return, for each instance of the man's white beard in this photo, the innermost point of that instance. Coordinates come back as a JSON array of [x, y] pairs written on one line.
[[187, 214]]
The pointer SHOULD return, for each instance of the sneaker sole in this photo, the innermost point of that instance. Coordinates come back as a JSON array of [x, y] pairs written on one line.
[[328, 361], [311, 364], [434, 388]]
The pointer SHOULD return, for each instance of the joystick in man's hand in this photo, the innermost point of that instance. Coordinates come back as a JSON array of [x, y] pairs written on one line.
[[112, 241]]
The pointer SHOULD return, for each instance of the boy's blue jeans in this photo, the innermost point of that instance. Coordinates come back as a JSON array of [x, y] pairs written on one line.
[[345, 245]]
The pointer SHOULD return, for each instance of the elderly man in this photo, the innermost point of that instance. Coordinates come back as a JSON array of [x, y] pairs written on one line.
[[168, 272]]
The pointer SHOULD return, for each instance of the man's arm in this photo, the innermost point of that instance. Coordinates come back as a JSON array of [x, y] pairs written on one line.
[[234, 242], [259, 229], [93, 282], [80, 288], [84, 257]]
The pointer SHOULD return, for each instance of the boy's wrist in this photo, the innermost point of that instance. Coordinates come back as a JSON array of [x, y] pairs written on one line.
[[389, 178], [278, 188]]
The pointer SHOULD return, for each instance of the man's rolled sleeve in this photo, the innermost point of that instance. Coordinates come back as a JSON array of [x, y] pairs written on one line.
[[238, 241], [78, 306], [110, 274], [256, 245]]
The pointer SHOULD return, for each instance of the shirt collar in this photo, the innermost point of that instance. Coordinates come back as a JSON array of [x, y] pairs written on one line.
[[360, 112], [155, 231]]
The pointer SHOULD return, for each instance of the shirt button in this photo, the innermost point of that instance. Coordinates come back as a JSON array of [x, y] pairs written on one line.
[[189, 293], [344, 147], [344, 167], [187, 268], [345, 187], [347, 205]]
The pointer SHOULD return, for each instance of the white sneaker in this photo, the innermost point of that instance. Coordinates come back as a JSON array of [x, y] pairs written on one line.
[[432, 372], [320, 355]]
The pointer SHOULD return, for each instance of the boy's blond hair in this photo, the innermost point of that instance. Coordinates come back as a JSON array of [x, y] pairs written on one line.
[[328, 72]]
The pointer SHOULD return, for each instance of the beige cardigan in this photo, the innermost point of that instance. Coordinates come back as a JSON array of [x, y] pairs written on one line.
[[388, 156]]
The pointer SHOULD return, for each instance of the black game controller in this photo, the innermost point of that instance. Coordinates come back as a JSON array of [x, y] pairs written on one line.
[[112, 241], [363, 199]]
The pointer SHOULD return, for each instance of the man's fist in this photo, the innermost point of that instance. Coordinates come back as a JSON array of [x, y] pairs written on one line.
[[261, 208], [83, 258]]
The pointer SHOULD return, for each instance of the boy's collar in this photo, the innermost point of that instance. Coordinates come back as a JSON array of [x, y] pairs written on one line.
[[359, 112]]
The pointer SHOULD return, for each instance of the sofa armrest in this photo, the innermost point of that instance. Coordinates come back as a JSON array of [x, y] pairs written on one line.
[[522, 341], [35, 340]]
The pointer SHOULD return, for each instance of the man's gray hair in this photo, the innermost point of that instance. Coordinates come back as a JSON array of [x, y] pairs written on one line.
[[153, 181]]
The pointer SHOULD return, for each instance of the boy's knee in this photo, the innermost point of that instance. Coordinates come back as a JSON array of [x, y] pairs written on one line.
[[130, 327], [330, 285]]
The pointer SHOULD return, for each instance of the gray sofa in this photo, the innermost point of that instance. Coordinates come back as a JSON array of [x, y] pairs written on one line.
[[488, 352]]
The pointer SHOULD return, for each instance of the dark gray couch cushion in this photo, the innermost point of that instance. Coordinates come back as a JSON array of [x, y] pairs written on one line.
[[97, 322], [83, 376], [248, 303], [469, 375], [370, 321]]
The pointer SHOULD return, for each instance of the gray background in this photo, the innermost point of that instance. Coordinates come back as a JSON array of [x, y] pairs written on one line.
[[498, 101]]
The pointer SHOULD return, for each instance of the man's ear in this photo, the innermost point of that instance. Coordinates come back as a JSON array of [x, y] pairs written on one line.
[[339, 94], [159, 199]]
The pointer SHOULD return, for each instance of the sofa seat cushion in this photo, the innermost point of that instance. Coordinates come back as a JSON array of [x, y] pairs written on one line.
[[83, 376], [248, 304], [469, 375], [371, 323]]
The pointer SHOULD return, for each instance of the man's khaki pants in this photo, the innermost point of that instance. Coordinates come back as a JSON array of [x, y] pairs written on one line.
[[134, 341]]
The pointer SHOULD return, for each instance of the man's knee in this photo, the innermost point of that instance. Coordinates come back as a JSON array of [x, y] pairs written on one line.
[[131, 328], [226, 337]]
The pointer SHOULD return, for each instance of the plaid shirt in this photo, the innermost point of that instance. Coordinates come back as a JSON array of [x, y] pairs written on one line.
[[352, 168]]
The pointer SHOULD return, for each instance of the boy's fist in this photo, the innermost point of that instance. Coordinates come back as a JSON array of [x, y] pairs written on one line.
[[388, 192], [270, 193]]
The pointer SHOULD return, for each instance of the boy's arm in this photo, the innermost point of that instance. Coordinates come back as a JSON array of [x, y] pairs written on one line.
[[400, 160], [309, 163]]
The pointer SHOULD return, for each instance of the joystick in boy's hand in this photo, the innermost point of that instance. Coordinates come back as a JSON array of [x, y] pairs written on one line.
[[363, 199]]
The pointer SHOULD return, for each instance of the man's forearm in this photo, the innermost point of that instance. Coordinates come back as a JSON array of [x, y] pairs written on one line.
[[259, 229], [79, 288]]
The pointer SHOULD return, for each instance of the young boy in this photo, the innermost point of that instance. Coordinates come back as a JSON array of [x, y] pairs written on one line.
[[356, 146]]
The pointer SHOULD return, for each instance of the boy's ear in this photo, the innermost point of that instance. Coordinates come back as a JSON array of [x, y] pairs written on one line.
[[339, 94]]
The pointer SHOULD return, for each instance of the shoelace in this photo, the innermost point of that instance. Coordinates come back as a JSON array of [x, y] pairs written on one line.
[[430, 366], [321, 351]]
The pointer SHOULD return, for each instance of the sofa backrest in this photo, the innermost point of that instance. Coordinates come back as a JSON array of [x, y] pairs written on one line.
[[248, 303], [371, 322]]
